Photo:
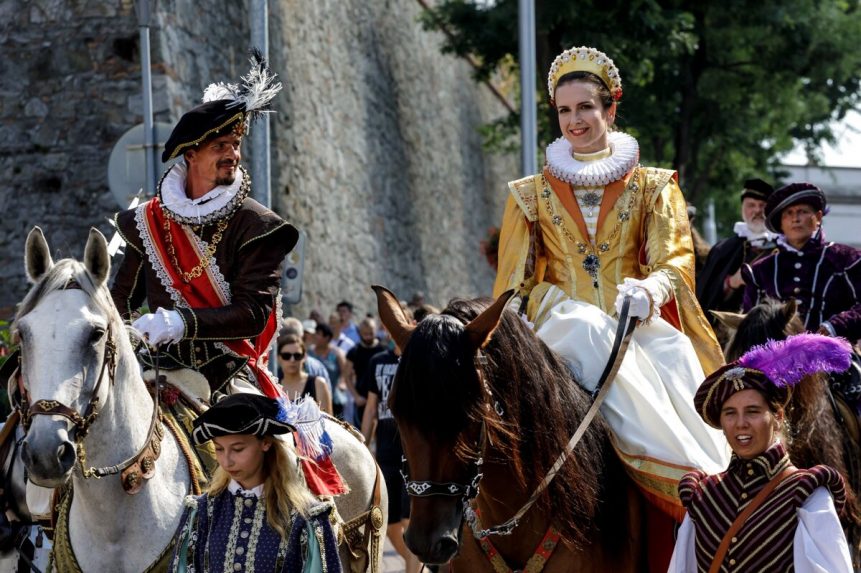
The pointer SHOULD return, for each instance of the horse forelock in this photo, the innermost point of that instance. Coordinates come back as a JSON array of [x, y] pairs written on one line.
[[764, 322], [541, 407], [59, 277], [436, 386]]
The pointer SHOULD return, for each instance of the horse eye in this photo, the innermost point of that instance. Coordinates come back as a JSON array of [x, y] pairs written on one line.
[[97, 334]]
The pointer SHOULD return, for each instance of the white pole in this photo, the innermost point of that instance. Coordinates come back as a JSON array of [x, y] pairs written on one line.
[[151, 161], [260, 169], [710, 226], [528, 110]]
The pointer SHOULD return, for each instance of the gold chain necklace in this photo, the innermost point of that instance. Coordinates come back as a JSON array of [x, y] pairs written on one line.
[[591, 262], [209, 252]]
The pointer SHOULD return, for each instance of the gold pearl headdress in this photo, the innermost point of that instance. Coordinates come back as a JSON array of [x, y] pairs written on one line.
[[585, 59]]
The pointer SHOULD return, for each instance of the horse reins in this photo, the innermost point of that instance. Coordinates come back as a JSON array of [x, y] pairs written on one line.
[[467, 493], [136, 468]]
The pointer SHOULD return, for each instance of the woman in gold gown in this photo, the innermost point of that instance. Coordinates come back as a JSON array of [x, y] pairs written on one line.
[[593, 226]]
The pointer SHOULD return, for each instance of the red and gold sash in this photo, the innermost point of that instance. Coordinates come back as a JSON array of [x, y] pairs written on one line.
[[203, 291]]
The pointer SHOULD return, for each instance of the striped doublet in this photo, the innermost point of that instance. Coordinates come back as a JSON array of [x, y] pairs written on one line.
[[765, 541]]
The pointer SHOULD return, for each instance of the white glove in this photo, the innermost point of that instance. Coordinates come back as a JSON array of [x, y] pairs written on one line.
[[161, 326], [641, 303]]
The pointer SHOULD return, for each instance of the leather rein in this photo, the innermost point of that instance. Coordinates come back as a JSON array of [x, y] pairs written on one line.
[[468, 492], [135, 469]]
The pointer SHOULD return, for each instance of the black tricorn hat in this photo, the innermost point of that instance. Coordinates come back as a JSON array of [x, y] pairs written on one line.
[[251, 414], [756, 189], [226, 108], [790, 195]]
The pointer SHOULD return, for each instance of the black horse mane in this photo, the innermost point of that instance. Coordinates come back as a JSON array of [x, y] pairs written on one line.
[[770, 320], [438, 391]]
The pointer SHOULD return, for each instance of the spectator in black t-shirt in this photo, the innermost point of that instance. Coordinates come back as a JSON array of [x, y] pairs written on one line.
[[358, 358], [380, 375]]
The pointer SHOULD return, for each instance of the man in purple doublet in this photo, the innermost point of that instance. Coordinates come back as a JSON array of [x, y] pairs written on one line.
[[823, 277]]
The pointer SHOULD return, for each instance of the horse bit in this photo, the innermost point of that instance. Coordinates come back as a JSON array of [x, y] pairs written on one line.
[[139, 466]]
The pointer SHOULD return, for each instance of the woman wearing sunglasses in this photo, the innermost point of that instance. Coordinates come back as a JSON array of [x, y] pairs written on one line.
[[295, 381]]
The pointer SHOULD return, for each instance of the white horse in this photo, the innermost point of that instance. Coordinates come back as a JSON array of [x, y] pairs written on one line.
[[78, 403]]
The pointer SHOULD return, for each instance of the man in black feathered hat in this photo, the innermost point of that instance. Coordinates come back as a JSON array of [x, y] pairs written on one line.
[[824, 277], [719, 283], [204, 255]]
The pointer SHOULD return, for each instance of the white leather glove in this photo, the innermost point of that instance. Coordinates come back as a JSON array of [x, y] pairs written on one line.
[[161, 326], [641, 302]]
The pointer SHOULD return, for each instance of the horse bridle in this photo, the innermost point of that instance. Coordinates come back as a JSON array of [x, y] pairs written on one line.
[[136, 468], [468, 492]]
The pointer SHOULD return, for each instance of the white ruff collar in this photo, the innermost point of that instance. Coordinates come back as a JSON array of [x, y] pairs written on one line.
[[742, 230], [174, 199], [236, 489], [624, 157]]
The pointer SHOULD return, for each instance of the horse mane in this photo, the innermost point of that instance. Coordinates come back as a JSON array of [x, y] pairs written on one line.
[[437, 389], [64, 272], [766, 321]]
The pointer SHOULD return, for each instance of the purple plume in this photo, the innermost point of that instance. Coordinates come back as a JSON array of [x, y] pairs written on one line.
[[786, 362]]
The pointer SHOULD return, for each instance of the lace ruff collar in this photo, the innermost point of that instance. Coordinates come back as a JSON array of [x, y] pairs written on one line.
[[624, 157], [742, 230], [236, 489], [220, 202]]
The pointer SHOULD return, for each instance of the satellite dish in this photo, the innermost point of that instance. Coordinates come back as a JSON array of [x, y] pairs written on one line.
[[127, 164]]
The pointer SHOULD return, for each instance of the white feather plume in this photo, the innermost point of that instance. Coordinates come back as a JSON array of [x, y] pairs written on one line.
[[221, 90], [258, 87]]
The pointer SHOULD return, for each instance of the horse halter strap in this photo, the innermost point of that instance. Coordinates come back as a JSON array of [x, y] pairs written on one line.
[[448, 489], [55, 408]]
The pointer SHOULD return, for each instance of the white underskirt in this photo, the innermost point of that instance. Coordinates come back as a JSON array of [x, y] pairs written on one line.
[[650, 405]]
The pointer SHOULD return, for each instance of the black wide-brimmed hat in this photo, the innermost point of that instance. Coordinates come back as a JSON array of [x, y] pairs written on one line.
[[241, 414], [790, 195], [226, 108], [756, 189]]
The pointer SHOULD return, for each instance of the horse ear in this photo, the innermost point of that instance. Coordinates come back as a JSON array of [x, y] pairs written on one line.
[[480, 329], [392, 316], [37, 255], [96, 257], [731, 320], [790, 309]]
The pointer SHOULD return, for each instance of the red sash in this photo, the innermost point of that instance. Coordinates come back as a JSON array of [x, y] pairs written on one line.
[[204, 292]]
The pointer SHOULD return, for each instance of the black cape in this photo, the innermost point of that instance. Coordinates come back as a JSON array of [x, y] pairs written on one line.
[[724, 259]]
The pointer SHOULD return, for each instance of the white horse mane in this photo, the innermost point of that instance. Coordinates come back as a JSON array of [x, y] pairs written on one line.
[[61, 274]]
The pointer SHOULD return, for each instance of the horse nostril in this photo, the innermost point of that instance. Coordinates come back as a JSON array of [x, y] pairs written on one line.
[[446, 547], [66, 455], [25, 453]]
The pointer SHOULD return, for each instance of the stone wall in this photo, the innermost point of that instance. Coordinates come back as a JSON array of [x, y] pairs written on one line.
[[375, 149]]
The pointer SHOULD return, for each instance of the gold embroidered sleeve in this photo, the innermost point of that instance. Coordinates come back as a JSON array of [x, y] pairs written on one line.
[[669, 246], [513, 248]]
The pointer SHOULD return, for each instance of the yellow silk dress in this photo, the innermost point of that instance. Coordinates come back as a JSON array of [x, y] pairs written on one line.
[[547, 254]]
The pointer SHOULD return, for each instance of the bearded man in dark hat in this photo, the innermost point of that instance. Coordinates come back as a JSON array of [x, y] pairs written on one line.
[[823, 277], [719, 283], [202, 253]]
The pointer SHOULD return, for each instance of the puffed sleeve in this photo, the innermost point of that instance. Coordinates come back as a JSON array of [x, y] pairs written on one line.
[[184, 553], [669, 246], [820, 544], [684, 553], [669, 251], [513, 248]]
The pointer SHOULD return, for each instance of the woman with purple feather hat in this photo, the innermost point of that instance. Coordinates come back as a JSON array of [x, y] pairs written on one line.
[[762, 513]]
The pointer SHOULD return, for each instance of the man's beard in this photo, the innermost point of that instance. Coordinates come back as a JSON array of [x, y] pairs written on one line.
[[756, 225], [225, 180]]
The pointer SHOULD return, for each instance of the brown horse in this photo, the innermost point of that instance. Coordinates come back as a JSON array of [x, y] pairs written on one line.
[[816, 435], [475, 385]]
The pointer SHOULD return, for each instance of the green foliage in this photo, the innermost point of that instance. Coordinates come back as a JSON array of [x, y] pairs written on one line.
[[717, 89]]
